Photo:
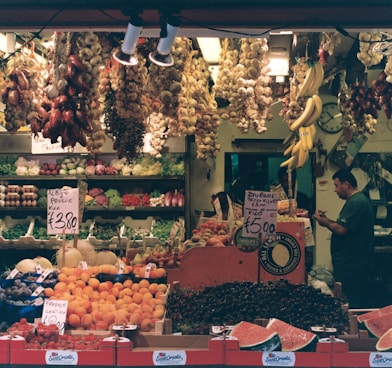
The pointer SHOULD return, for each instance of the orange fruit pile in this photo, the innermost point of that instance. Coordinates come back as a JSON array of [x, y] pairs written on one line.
[[95, 305]]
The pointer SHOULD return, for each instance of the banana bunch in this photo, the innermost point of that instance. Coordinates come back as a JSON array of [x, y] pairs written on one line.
[[311, 112], [298, 147], [302, 134], [304, 112], [314, 77]]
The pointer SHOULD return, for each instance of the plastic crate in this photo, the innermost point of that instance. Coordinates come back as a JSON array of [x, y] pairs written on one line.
[[39, 222], [9, 222], [99, 221], [135, 230]]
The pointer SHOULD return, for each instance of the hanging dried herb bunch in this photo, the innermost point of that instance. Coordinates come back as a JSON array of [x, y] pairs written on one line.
[[127, 133]]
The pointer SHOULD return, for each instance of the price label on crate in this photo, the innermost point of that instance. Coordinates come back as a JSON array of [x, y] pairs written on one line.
[[63, 211], [260, 211]]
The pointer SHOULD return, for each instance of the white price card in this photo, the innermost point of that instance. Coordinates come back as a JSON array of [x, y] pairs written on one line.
[[55, 312], [260, 211], [63, 211]]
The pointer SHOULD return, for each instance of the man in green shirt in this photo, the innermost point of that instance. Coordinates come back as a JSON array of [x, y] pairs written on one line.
[[352, 239]]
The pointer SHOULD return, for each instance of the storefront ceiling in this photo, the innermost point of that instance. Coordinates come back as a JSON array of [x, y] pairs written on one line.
[[198, 17]]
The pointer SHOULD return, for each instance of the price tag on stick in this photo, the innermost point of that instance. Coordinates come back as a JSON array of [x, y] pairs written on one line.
[[260, 211], [63, 211]]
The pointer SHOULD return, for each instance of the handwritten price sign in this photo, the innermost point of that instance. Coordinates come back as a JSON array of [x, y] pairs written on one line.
[[260, 210], [63, 211], [55, 312]]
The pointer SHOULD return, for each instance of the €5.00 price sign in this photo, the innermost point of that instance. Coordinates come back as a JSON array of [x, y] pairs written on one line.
[[260, 210], [63, 211]]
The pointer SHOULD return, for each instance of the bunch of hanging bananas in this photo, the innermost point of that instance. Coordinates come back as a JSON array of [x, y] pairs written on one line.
[[314, 76], [298, 147], [303, 130]]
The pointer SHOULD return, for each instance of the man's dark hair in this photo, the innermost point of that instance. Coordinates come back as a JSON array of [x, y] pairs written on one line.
[[345, 175]]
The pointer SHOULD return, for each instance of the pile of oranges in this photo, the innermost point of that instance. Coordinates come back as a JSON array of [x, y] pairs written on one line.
[[96, 305]]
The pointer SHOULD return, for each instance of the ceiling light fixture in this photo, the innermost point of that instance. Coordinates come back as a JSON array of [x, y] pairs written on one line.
[[169, 27], [210, 48], [279, 55], [125, 55]]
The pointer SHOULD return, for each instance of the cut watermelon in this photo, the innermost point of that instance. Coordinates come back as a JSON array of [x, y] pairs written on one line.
[[374, 313], [384, 343], [293, 338], [255, 337], [378, 325]]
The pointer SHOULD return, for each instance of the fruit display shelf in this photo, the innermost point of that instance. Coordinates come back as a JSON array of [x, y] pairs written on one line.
[[105, 355], [188, 350]]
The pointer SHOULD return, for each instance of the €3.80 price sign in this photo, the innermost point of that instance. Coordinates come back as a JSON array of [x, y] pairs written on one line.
[[63, 211], [260, 210]]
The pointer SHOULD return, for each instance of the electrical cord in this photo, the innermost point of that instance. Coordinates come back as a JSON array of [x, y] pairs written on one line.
[[4, 61]]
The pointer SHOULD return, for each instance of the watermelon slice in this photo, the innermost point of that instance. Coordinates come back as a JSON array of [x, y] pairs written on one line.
[[291, 337], [255, 337], [374, 313], [384, 343], [378, 325]]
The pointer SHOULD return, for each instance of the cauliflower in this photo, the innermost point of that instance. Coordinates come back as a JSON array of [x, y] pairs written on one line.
[[137, 170], [126, 170], [118, 163], [22, 170], [34, 170]]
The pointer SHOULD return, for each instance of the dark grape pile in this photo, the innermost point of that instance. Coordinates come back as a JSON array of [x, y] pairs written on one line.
[[194, 312]]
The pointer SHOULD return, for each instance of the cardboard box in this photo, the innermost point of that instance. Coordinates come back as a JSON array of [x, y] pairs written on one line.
[[235, 357], [105, 356], [5, 349], [150, 350]]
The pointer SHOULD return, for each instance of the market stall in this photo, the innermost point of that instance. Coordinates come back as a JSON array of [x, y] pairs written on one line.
[[114, 142]]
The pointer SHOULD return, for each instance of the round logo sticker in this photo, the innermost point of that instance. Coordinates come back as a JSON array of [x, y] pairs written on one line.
[[243, 243], [280, 255]]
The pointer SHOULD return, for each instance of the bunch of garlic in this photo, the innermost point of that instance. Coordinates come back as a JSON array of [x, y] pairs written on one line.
[[207, 119], [253, 102], [369, 124], [329, 41], [88, 47], [348, 120], [57, 65], [292, 105], [366, 55], [193, 101], [164, 84], [299, 74], [20, 90], [206, 136], [128, 84], [388, 69], [226, 80], [157, 126], [293, 111]]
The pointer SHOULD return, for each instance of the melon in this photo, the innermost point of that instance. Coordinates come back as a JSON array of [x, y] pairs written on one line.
[[255, 337], [378, 325], [384, 343], [293, 338], [374, 313]]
